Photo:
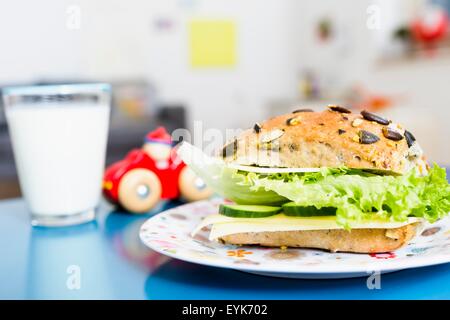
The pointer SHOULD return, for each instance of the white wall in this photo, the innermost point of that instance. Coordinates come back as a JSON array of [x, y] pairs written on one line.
[[276, 40], [421, 89], [35, 42], [117, 40]]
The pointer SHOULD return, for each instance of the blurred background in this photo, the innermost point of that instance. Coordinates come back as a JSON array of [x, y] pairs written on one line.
[[230, 63]]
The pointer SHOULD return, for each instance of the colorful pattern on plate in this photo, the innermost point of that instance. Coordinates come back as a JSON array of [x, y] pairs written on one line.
[[169, 233]]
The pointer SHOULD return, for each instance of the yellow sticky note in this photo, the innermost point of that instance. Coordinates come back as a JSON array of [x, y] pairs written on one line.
[[212, 43]]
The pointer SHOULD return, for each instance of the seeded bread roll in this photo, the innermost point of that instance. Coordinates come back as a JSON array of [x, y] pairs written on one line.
[[335, 240], [335, 137]]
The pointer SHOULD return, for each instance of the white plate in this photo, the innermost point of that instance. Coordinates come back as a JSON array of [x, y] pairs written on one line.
[[169, 234]]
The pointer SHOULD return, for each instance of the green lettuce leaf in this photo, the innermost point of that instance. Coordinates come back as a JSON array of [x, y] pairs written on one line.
[[223, 180], [357, 194]]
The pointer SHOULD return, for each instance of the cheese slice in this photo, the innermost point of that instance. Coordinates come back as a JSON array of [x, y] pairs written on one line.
[[223, 225], [269, 170]]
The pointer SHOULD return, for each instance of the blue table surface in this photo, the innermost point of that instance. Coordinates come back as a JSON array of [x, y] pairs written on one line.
[[40, 263]]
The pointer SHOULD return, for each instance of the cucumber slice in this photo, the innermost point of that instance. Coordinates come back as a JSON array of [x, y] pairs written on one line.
[[248, 211], [292, 209]]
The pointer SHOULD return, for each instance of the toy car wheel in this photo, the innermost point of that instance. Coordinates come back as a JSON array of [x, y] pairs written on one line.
[[139, 190], [192, 187]]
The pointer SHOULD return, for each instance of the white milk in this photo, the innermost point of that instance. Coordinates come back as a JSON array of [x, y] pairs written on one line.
[[60, 154]]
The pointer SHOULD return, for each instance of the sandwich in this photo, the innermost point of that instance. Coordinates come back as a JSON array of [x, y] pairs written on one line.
[[335, 180]]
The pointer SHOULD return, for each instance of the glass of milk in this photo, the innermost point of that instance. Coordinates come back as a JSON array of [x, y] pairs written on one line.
[[59, 135]]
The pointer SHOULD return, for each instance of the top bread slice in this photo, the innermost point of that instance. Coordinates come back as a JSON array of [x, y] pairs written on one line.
[[324, 139]]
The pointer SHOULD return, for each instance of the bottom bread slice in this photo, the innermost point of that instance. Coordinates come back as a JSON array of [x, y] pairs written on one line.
[[335, 240]]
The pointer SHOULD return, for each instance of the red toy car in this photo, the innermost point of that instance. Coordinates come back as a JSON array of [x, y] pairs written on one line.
[[147, 175]]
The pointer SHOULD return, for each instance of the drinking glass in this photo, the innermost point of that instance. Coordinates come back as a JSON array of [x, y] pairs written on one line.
[[59, 135]]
